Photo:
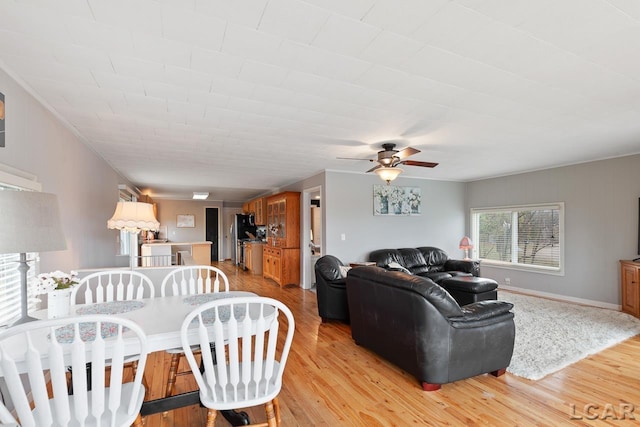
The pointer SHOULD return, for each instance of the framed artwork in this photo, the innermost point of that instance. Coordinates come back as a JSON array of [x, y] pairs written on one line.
[[186, 221], [393, 200]]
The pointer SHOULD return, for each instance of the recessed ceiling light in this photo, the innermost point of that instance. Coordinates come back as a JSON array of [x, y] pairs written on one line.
[[200, 196]]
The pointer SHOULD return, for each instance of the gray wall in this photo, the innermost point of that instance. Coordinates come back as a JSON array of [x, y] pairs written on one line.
[[601, 223], [348, 209], [86, 186]]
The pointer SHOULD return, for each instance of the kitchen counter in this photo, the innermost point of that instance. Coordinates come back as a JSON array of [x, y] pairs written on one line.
[[253, 255], [163, 253]]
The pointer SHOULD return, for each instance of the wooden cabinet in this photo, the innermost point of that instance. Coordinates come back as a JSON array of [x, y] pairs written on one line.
[[281, 256], [283, 219], [253, 257], [282, 265], [256, 208], [630, 278], [260, 218]]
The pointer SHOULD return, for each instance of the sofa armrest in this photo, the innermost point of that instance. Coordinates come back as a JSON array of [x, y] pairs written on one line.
[[340, 283], [482, 313], [466, 266]]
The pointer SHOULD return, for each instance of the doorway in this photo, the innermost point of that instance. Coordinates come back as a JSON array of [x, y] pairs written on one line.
[[313, 233], [212, 231]]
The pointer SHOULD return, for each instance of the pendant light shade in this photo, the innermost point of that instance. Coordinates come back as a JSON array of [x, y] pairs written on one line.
[[388, 174]]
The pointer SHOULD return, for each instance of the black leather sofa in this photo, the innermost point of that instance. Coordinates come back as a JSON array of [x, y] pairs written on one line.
[[458, 277], [415, 324], [426, 261], [331, 289]]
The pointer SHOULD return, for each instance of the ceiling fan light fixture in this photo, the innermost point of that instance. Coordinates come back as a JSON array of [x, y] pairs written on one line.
[[388, 174]]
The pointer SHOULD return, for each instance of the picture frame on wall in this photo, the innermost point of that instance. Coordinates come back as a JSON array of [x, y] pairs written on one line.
[[186, 221], [392, 200]]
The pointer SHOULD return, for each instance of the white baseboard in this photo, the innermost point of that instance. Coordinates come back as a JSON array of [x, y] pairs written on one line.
[[582, 301]]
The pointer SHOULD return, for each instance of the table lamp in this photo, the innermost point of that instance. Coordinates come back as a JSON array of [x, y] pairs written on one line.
[[133, 217], [30, 222], [466, 244]]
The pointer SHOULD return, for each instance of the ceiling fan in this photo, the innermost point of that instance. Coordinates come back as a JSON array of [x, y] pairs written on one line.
[[389, 159]]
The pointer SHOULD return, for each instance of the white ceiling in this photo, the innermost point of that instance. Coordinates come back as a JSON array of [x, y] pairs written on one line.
[[241, 97]]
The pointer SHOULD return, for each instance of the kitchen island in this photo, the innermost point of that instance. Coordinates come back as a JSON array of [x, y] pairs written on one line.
[[166, 253]]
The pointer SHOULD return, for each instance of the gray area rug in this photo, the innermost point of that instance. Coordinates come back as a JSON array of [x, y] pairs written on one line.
[[551, 335]]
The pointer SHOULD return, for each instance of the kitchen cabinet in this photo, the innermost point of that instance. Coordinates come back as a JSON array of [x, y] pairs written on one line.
[[283, 219], [281, 256], [630, 278], [282, 265], [260, 218], [253, 257]]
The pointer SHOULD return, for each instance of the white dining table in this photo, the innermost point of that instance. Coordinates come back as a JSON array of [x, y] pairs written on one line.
[[161, 319]]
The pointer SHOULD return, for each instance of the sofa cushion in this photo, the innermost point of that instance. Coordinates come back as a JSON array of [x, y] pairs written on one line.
[[434, 257], [383, 257], [413, 260]]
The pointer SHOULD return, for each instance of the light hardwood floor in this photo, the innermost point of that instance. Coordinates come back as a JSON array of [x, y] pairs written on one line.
[[330, 381]]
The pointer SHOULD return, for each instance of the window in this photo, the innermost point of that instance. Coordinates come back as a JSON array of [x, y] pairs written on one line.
[[13, 180], [527, 237]]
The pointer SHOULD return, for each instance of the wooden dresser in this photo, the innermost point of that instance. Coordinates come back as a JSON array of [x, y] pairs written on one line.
[[281, 255], [630, 278]]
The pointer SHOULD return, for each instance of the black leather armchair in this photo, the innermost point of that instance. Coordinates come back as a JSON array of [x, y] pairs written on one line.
[[415, 324], [331, 289]]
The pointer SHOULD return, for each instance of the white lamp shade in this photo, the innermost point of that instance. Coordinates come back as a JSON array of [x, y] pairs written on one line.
[[30, 222], [388, 174], [133, 217], [466, 243]]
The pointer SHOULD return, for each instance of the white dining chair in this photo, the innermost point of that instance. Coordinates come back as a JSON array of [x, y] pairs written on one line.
[[112, 285], [245, 364], [34, 358], [189, 280], [6, 417]]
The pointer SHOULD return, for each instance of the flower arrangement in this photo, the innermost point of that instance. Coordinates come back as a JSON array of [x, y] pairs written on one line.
[[273, 229], [47, 282]]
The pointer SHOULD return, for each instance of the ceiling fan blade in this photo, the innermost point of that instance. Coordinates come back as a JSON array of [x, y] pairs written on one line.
[[409, 151], [374, 168], [354, 158], [417, 163]]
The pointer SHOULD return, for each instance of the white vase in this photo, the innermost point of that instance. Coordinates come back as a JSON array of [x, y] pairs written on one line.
[[58, 303]]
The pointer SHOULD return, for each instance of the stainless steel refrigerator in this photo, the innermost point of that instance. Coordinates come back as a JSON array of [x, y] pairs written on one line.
[[242, 226]]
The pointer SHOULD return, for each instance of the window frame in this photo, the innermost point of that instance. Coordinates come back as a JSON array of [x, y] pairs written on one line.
[[513, 264]]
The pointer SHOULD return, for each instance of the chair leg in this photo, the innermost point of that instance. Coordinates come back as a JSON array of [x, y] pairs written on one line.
[[272, 420], [173, 372], [138, 422], [134, 368], [276, 407], [211, 417]]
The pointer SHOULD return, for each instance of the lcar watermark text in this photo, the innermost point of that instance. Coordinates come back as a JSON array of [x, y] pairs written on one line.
[[608, 411]]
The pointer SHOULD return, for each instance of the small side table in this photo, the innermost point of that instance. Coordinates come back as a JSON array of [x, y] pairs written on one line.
[[362, 264]]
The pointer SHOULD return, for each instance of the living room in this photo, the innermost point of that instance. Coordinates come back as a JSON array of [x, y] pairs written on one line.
[[600, 192]]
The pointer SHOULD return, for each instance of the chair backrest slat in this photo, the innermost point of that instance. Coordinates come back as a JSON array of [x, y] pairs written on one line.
[[250, 354], [193, 280], [41, 351], [113, 285]]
